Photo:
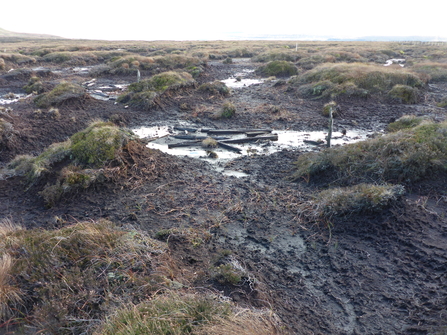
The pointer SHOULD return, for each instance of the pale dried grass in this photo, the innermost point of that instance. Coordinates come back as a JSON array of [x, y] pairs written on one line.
[[10, 296], [246, 322]]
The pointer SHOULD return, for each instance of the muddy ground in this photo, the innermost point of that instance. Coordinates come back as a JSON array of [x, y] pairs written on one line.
[[365, 274]]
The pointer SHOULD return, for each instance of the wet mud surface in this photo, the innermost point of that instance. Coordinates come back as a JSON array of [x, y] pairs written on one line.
[[363, 274]]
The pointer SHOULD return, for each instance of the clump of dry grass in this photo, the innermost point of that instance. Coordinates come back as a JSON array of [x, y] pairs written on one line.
[[361, 198], [33, 167], [209, 142], [6, 131], [244, 321], [330, 106], [170, 314], [73, 274], [10, 295], [7, 226], [17, 58], [177, 314]]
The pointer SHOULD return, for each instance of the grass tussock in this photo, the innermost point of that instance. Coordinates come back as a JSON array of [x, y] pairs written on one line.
[[62, 93], [361, 198], [34, 85], [17, 58], [215, 88], [144, 94], [33, 167], [98, 144], [353, 79], [245, 322], [178, 314], [8, 226], [227, 111], [6, 131], [405, 122], [166, 315], [129, 64], [71, 58], [442, 103], [278, 68], [265, 57], [404, 94], [70, 276], [209, 143], [84, 158], [330, 107], [436, 72], [404, 156], [10, 295]]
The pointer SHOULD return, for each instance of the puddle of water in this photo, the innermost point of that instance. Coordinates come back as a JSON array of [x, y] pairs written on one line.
[[80, 70], [104, 92], [7, 99], [238, 80], [399, 61], [151, 132], [234, 83], [161, 138]]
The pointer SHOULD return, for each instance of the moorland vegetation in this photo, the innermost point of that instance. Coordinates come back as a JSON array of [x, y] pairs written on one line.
[[98, 276]]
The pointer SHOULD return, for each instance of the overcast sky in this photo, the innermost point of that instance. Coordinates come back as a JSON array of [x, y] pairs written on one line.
[[205, 19]]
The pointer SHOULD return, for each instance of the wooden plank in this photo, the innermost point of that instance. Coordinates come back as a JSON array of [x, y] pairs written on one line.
[[235, 131], [253, 139], [256, 133], [185, 144], [189, 130], [229, 147]]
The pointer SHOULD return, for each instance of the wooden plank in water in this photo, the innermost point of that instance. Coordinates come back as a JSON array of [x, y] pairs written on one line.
[[189, 130], [256, 133], [253, 139], [229, 147], [235, 131], [185, 144]]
